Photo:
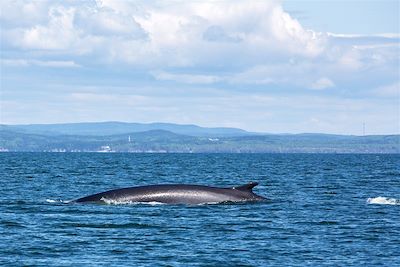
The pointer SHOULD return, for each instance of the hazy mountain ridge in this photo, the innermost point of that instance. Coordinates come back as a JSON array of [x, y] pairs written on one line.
[[114, 128], [160, 140]]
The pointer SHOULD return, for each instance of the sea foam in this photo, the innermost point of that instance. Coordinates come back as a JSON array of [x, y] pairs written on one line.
[[383, 201]]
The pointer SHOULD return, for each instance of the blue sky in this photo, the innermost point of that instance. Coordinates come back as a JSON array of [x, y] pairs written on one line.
[[267, 66]]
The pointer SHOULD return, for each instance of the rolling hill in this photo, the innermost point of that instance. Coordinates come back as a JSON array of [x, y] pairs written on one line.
[[116, 137], [113, 128]]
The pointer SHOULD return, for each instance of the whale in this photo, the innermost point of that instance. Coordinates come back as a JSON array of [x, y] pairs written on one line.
[[175, 194]]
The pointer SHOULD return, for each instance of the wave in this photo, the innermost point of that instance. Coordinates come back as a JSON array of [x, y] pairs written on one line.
[[383, 201]]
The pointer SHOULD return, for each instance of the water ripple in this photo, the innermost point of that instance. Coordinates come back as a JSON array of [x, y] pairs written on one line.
[[324, 210]]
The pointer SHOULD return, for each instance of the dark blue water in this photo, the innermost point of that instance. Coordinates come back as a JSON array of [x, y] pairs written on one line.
[[336, 210]]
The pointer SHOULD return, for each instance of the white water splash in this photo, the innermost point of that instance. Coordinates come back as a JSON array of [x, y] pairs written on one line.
[[57, 201], [152, 203], [383, 201], [125, 202]]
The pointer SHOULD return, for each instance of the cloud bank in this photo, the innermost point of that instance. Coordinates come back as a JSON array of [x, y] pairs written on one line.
[[242, 38], [252, 47]]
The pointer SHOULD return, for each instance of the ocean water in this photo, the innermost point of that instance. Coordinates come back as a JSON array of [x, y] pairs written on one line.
[[324, 210]]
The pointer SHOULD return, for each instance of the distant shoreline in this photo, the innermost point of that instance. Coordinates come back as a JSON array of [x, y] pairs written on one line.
[[115, 137]]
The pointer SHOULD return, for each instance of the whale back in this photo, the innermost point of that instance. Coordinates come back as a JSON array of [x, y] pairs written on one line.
[[177, 193]]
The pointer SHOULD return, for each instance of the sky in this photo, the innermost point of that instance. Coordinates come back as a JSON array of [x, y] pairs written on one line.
[[265, 66]]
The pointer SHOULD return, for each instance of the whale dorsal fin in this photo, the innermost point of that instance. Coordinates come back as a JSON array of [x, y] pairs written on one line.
[[246, 187]]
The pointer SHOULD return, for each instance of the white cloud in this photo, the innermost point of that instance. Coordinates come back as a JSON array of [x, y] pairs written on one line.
[[250, 42], [102, 21], [59, 34], [390, 90], [14, 62], [352, 36], [186, 78], [262, 74], [32, 12], [188, 33], [322, 83], [350, 60], [55, 63], [292, 73], [40, 63], [216, 33]]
